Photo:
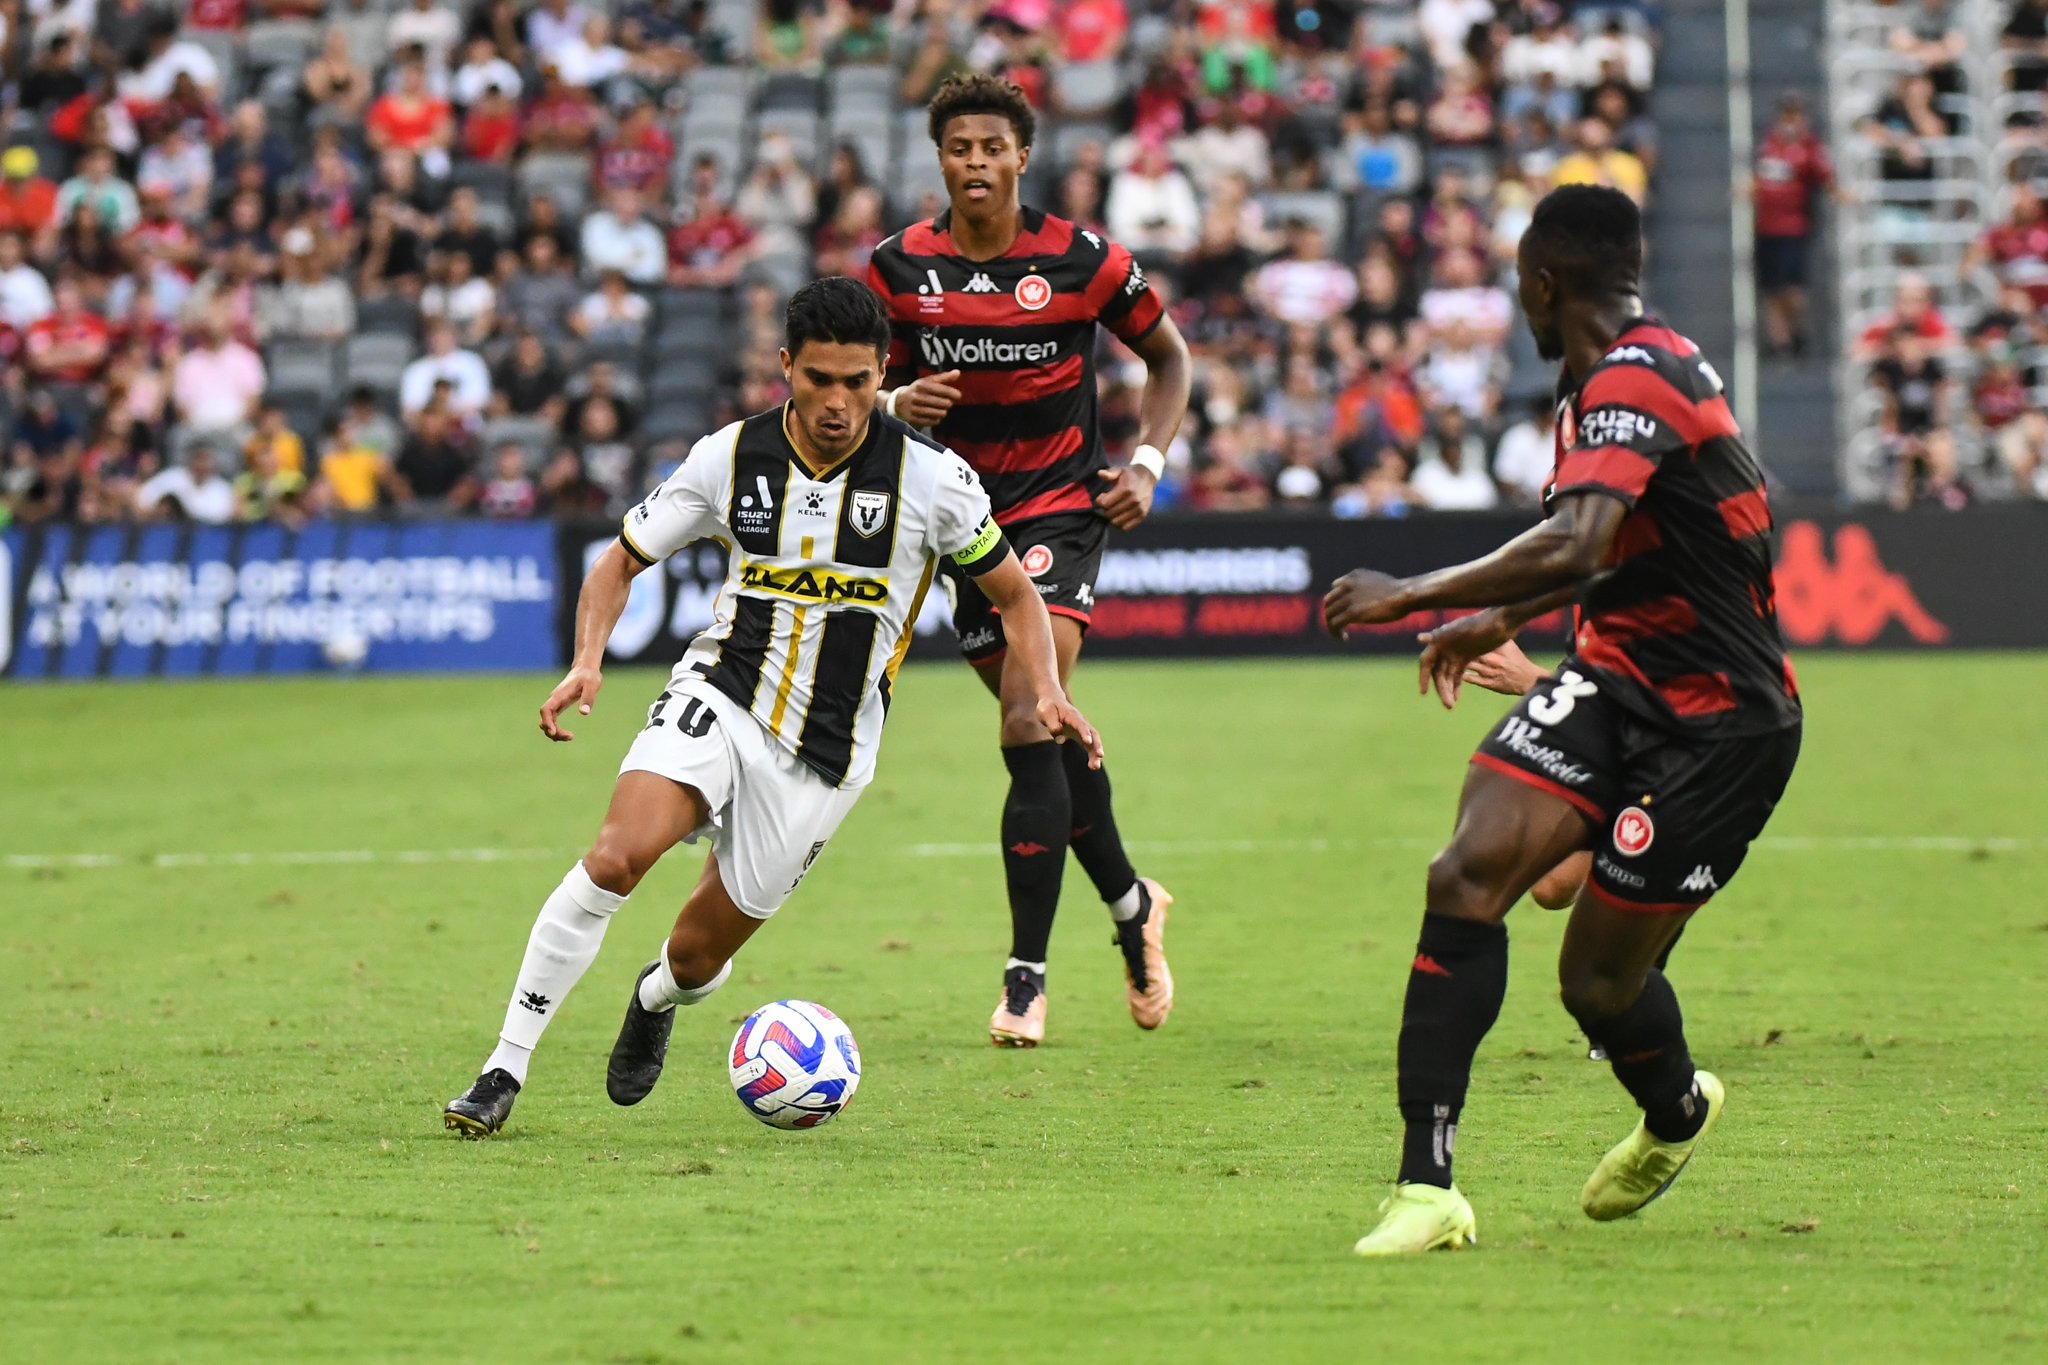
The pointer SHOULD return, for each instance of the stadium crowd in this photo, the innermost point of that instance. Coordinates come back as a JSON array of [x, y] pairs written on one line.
[[1953, 362], [272, 259]]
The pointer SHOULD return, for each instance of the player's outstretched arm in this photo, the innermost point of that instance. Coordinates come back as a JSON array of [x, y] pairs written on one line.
[[1555, 555], [1169, 375], [598, 608], [1480, 648], [1028, 628]]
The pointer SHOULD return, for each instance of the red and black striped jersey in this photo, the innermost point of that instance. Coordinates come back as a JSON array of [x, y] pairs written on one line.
[[1682, 622], [1021, 330]]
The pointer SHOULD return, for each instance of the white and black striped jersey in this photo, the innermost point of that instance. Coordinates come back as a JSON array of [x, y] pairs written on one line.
[[827, 573]]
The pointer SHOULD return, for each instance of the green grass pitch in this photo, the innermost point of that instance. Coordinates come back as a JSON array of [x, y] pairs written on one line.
[[220, 1083]]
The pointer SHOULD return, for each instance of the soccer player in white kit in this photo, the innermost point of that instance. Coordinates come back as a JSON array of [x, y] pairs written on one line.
[[834, 515]]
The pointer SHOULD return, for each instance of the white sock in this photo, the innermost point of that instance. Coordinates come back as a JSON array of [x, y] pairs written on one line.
[[659, 991], [1038, 967], [564, 943], [509, 1057], [1127, 906]]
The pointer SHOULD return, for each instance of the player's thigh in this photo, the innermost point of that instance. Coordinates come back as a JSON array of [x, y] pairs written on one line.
[[975, 624], [1508, 834], [649, 815], [781, 817]]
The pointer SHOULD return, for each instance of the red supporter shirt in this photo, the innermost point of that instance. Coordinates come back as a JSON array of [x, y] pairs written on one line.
[[1089, 28], [703, 242], [1682, 628], [1788, 171], [1931, 327], [487, 137], [26, 205], [54, 331], [407, 125], [638, 164], [1021, 330], [2020, 251], [568, 112], [217, 14]]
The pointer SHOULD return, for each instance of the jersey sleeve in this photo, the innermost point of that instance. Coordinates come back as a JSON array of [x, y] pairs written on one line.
[[900, 367], [686, 507], [1630, 418], [962, 525], [1126, 304]]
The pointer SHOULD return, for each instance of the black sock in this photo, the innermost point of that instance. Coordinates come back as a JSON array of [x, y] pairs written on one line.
[[1645, 1045], [1095, 839], [1455, 987], [1036, 818]]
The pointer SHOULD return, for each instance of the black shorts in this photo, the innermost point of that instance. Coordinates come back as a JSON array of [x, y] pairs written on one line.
[[1780, 263], [1672, 817], [1062, 553]]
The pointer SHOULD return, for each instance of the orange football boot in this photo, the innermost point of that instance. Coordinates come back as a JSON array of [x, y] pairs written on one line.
[[1147, 978], [1019, 1020]]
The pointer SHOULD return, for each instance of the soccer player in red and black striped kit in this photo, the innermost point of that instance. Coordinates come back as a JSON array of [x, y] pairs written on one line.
[[1661, 743], [993, 309]]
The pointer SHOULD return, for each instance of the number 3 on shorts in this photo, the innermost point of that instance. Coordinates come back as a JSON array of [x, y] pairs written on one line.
[[1552, 710]]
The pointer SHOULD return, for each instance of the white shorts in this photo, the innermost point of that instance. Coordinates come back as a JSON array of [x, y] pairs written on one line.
[[770, 815]]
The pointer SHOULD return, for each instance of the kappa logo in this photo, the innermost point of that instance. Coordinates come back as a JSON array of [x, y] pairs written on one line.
[[1137, 280], [870, 511], [1037, 561], [535, 1001], [1629, 355], [1852, 599], [980, 283], [1093, 240], [1633, 832], [1033, 293], [1700, 878], [1085, 594]]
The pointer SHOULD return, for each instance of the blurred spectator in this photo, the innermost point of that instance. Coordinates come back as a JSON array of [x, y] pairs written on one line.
[[192, 491], [611, 314], [2023, 449], [538, 296], [777, 199], [28, 201], [459, 298], [1597, 161], [618, 238], [552, 25], [1451, 474], [1932, 40], [25, 297], [426, 25], [847, 241], [1447, 23], [563, 118], [528, 381], [433, 471], [1304, 286], [1902, 126], [483, 69], [1461, 115], [2017, 249], [591, 58], [638, 154], [410, 117], [1227, 482], [1540, 69], [1527, 454], [267, 491], [99, 187], [352, 471], [217, 383], [1152, 206], [463, 371], [166, 57], [276, 441], [1917, 394], [1379, 157], [335, 84], [1616, 53], [510, 494], [491, 128], [1912, 309], [68, 345], [1792, 164], [1461, 298], [1226, 145], [465, 234], [787, 37]]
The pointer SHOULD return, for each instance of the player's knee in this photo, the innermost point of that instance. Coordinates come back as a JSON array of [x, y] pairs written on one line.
[[612, 866], [692, 962], [1590, 994], [1021, 725], [1464, 885]]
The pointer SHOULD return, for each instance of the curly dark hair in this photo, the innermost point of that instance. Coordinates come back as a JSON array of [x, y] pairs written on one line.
[[982, 94]]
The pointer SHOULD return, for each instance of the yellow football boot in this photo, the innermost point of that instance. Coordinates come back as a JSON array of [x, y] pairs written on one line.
[[1640, 1167], [1417, 1217]]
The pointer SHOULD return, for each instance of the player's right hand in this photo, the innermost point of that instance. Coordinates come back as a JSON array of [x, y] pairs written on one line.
[[1065, 722], [927, 401], [1452, 648], [579, 688]]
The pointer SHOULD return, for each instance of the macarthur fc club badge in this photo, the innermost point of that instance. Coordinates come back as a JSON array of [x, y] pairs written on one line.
[[870, 511]]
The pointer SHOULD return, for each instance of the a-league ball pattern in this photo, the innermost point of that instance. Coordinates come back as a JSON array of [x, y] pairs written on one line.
[[794, 1064]]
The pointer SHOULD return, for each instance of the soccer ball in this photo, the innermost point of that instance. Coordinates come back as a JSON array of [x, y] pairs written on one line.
[[346, 649], [794, 1064]]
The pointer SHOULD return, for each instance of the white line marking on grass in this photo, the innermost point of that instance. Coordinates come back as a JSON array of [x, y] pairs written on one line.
[[1790, 843], [343, 855]]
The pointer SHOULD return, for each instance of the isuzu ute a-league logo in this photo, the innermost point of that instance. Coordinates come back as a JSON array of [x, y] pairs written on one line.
[[1633, 832], [1033, 293], [870, 511]]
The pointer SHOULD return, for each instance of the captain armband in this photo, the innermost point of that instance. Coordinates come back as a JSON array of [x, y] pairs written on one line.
[[986, 550]]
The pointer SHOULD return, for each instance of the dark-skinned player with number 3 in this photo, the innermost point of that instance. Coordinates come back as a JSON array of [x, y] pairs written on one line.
[[1661, 743]]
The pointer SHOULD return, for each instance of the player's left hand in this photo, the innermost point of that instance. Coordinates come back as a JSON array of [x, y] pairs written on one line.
[[1452, 648], [1128, 500], [1363, 597], [580, 688], [1065, 722]]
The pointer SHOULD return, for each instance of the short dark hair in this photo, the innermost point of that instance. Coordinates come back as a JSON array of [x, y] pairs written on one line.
[[835, 309], [979, 93], [1590, 236]]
